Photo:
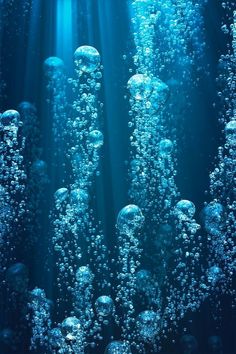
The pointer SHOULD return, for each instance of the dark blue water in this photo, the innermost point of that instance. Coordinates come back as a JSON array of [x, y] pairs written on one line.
[[30, 32]]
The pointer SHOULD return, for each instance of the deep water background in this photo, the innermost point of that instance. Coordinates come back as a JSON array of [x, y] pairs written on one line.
[[57, 28]]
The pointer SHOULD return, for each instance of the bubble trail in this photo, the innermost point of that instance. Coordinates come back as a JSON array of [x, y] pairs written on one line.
[[153, 148], [12, 182], [219, 215], [129, 221], [54, 71], [74, 223], [151, 171], [40, 317]]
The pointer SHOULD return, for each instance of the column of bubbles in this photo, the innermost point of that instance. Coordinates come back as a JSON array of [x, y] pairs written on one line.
[[73, 203], [56, 86], [39, 307], [190, 285], [193, 287], [189, 15], [129, 221], [35, 168], [181, 60], [175, 25], [151, 170], [185, 286], [151, 19], [152, 167], [12, 178], [65, 224], [84, 153], [83, 296], [69, 232], [148, 324], [144, 99], [178, 55], [218, 216], [87, 140], [177, 28], [77, 239], [144, 19]]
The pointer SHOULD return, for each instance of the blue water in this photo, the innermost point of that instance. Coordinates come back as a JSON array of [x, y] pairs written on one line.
[[137, 162]]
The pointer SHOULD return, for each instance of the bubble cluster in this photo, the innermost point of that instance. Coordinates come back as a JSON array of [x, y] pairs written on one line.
[[214, 275], [147, 325], [84, 276], [118, 347], [40, 316]]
